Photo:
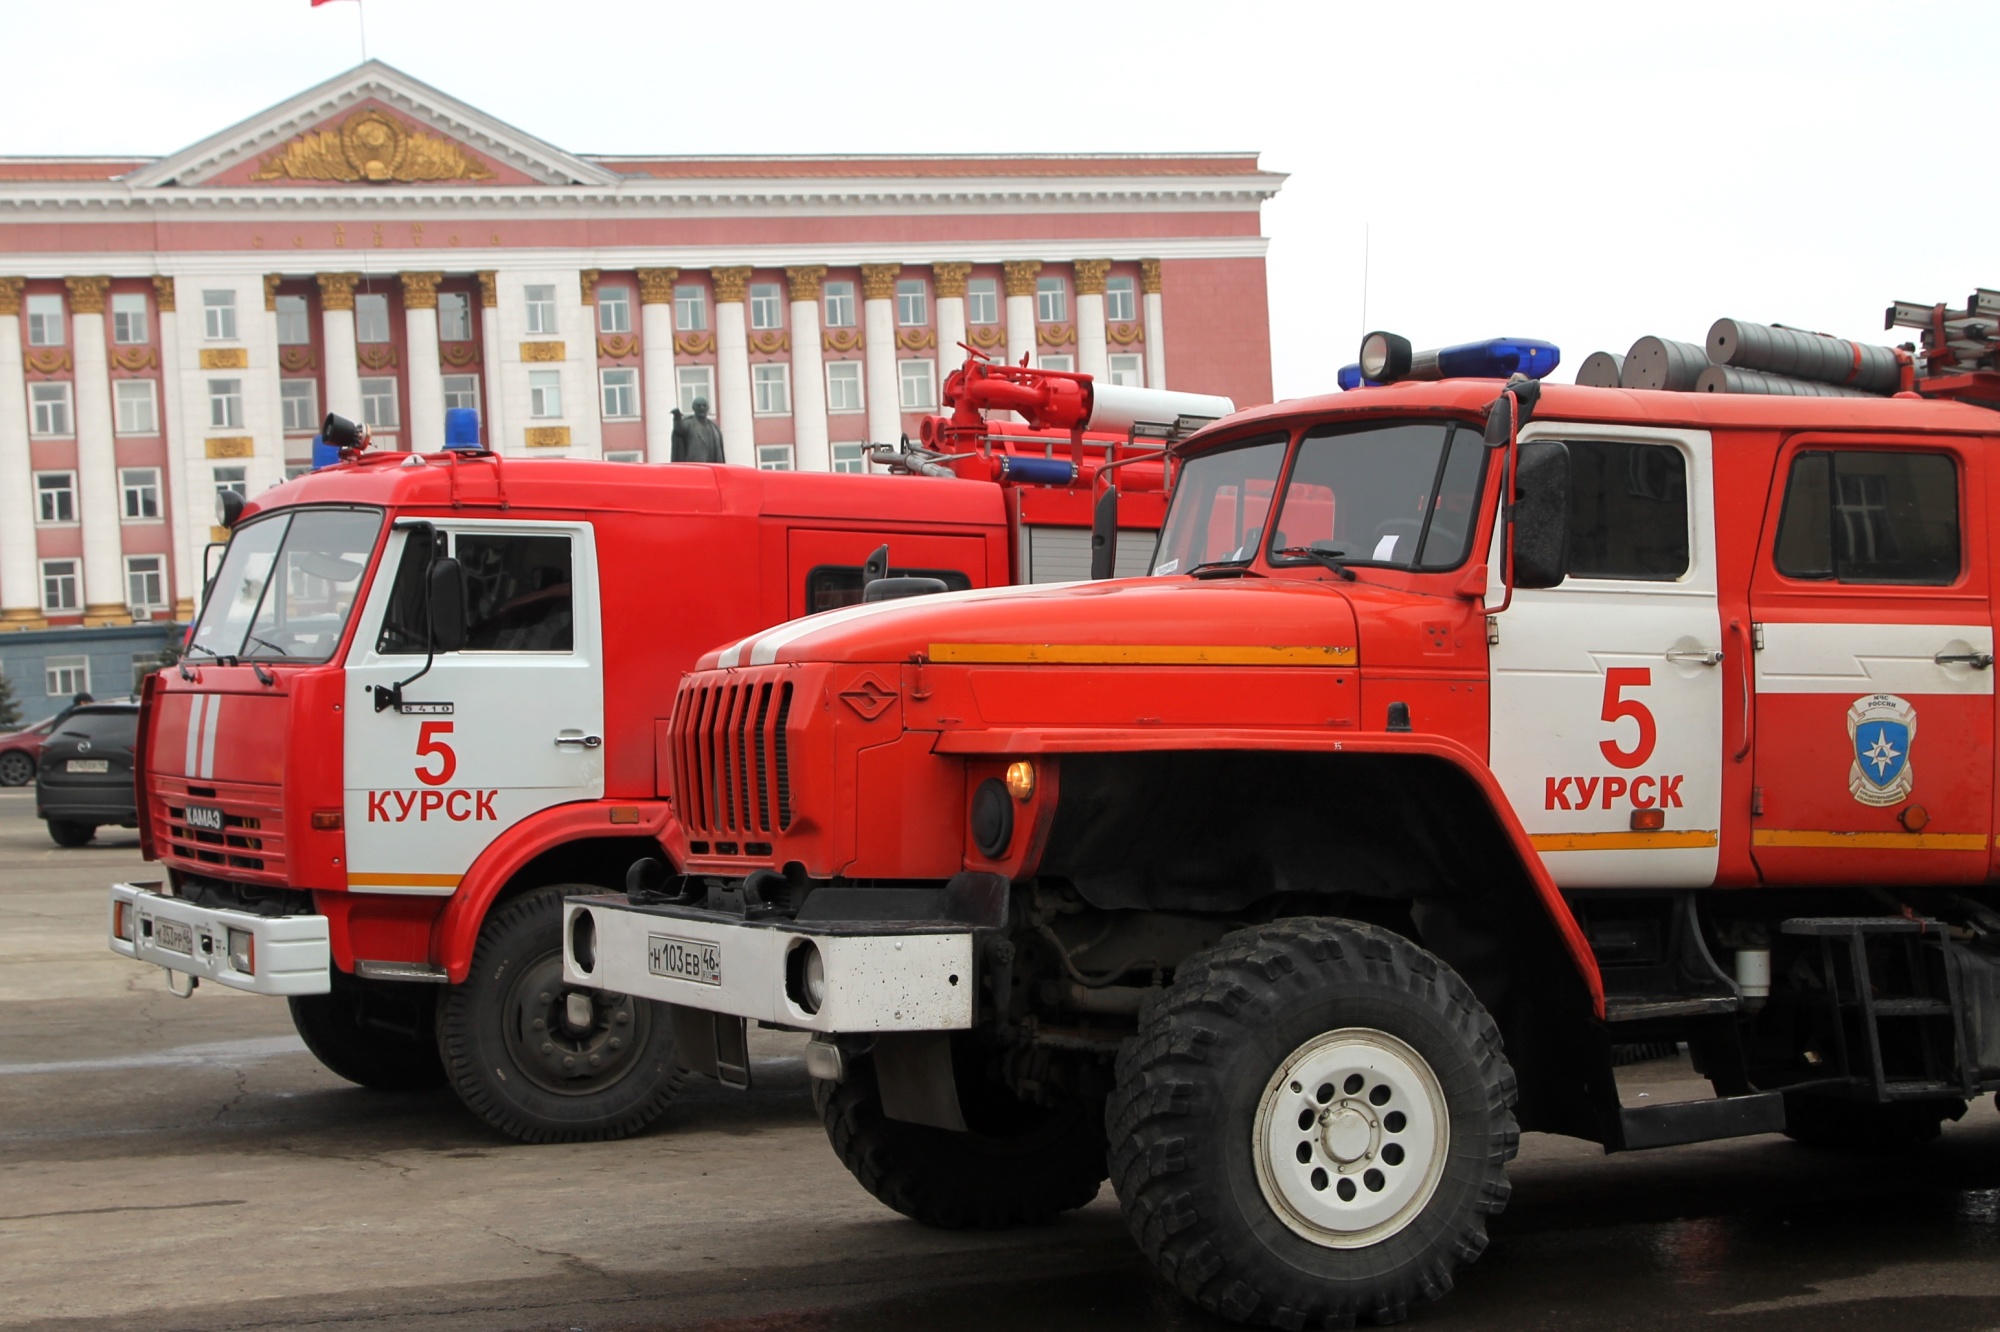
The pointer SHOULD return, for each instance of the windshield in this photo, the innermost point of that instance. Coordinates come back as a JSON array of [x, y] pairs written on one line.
[[1220, 504], [1395, 494], [287, 586]]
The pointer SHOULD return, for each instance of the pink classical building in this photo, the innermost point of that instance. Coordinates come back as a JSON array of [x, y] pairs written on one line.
[[178, 326]]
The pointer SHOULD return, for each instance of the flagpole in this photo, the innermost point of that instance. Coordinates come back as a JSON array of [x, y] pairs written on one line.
[[361, 18]]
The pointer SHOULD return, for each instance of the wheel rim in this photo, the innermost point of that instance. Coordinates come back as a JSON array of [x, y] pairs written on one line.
[[16, 769], [1351, 1138], [557, 1052]]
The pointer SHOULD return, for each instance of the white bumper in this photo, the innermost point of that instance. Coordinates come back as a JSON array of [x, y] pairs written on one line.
[[288, 954], [887, 981]]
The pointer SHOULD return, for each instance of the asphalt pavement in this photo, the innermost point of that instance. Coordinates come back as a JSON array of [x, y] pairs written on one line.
[[183, 1164]]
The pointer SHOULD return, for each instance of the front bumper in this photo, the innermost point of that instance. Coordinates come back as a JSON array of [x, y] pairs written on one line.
[[879, 975], [289, 954]]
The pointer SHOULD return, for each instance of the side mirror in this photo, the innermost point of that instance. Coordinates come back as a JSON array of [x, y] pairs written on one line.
[[875, 566], [1541, 515], [1104, 534], [446, 589], [231, 505]]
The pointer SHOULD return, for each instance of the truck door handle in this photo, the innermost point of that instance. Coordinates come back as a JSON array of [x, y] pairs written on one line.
[[1978, 661], [587, 741], [1696, 656]]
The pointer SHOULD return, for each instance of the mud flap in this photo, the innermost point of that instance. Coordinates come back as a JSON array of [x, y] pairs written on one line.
[[913, 1071], [713, 1045]]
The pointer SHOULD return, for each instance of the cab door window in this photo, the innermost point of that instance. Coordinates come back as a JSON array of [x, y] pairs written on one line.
[[1628, 510], [1864, 516], [517, 592]]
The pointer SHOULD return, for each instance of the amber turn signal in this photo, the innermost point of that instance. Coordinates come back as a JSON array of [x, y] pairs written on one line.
[[1021, 779], [1648, 820], [327, 820]]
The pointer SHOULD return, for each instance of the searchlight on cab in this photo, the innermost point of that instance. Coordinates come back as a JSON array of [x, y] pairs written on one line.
[[1386, 358]]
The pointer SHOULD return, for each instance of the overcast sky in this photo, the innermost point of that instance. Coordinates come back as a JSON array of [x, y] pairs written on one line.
[[1585, 173]]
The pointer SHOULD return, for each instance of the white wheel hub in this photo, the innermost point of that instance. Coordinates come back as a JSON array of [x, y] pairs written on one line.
[[1351, 1138]]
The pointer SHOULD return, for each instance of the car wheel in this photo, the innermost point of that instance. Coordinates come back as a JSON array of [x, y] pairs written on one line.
[[64, 832], [16, 768]]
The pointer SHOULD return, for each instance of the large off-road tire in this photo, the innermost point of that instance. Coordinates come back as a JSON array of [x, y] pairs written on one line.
[[380, 1034], [66, 832], [1017, 1165], [16, 768], [1832, 1124], [1312, 1126], [518, 1057]]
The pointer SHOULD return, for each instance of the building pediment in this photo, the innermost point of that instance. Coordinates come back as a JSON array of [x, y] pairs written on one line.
[[371, 126]]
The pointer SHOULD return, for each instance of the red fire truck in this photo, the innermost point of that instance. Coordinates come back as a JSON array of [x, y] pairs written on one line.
[[428, 694], [1463, 730]]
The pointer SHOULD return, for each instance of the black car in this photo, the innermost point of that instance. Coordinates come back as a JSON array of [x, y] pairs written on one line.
[[85, 779]]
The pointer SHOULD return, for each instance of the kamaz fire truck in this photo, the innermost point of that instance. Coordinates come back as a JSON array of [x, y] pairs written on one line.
[[429, 694], [1464, 730]]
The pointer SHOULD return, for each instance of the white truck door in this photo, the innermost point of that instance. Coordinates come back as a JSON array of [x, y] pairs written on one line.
[[1607, 690], [510, 725]]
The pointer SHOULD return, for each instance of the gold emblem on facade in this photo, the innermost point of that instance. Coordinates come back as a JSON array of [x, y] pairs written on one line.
[[374, 146]]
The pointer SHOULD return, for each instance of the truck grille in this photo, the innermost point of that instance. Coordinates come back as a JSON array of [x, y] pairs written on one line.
[[251, 843], [732, 774]]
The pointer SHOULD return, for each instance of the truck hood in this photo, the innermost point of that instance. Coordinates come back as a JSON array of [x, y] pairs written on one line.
[[1137, 621]]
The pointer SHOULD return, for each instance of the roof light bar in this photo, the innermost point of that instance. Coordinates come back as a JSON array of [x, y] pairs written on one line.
[[1387, 358]]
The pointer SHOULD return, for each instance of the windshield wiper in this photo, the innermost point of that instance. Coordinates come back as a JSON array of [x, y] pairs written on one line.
[[221, 658], [281, 652], [1235, 566], [1335, 560]]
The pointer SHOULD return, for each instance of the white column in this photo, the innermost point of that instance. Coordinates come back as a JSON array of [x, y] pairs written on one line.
[[188, 539], [810, 450], [489, 351], [1020, 285], [96, 457], [878, 327], [579, 326], [1092, 353], [656, 367], [420, 332], [343, 372], [732, 367], [20, 579], [950, 280], [1156, 336]]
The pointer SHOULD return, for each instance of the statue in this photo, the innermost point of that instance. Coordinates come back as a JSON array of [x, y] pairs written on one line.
[[699, 440]]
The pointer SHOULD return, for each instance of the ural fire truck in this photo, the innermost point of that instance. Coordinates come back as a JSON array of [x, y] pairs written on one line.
[[429, 694], [1464, 730]]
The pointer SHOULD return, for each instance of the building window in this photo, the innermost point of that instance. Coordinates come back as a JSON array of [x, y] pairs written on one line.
[[614, 309], [621, 393], [145, 583], [774, 457], [128, 318], [919, 381], [1128, 370], [1063, 363], [850, 458], [55, 497], [843, 386], [371, 318], [545, 393], [378, 402], [690, 309], [771, 388], [140, 487], [1051, 300], [625, 456], [45, 321], [67, 676], [1118, 302], [839, 304], [59, 594], [50, 400], [233, 480], [695, 381], [912, 309], [300, 400], [143, 665], [461, 391], [541, 309], [454, 317], [225, 404], [293, 471], [982, 301], [767, 305], [135, 413], [218, 312], [294, 322]]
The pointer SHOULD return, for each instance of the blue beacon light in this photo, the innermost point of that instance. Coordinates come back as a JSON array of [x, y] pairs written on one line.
[[461, 428], [324, 454], [1388, 359]]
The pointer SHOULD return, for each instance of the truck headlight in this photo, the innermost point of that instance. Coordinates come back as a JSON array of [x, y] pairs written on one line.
[[805, 976], [992, 818]]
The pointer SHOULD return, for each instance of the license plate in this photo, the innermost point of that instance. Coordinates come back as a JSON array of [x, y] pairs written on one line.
[[203, 817], [174, 936], [684, 959], [90, 765]]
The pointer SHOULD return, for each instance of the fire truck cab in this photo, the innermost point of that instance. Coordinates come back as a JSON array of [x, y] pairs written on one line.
[[1455, 738], [428, 694]]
